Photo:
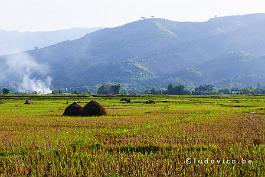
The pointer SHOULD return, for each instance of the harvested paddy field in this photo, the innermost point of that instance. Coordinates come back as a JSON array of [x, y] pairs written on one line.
[[176, 136]]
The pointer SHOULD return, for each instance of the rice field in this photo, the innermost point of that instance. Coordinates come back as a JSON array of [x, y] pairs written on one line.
[[178, 136]]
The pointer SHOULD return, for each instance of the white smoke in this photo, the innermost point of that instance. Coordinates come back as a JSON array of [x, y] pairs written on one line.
[[39, 86], [26, 74]]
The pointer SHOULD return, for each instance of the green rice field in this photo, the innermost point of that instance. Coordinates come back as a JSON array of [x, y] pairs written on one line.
[[177, 136]]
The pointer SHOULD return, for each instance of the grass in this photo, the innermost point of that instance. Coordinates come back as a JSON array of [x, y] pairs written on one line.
[[169, 138]]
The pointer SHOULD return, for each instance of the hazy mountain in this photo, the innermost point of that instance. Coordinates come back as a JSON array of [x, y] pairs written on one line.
[[155, 52], [14, 41], [235, 70]]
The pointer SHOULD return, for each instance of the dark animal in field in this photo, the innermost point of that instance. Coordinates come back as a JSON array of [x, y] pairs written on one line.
[[256, 142], [73, 110], [28, 102], [126, 100], [150, 102], [67, 102], [93, 108]]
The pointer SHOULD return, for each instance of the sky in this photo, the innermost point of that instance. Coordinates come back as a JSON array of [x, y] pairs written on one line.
[[43, 15]]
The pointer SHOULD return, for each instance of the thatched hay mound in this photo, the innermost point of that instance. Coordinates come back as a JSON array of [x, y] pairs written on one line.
[[28, 102], [73, 110], [93, 108]]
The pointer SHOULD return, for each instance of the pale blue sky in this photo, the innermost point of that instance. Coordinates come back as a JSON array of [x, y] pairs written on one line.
[[60, 14]]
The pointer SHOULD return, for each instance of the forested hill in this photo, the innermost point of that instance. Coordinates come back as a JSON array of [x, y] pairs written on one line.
[[153, 52]]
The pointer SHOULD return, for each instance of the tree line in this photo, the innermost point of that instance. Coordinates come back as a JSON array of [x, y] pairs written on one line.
[[205, 89], [172, 89]]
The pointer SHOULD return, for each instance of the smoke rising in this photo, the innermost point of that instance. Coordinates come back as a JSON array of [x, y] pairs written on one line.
[[30, 84], [23, 72]]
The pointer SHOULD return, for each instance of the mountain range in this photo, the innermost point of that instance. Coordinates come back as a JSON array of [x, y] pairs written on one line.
[[223, 51], [17, 41]]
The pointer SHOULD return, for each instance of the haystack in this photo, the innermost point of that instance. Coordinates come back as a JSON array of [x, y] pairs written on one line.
[[28, 102], [93, 108], [73, 110]]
